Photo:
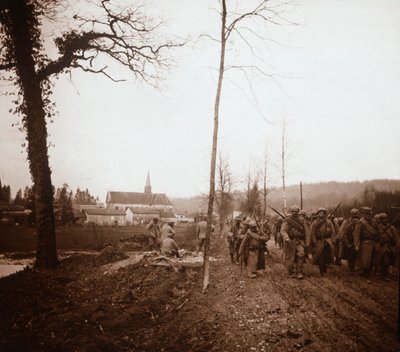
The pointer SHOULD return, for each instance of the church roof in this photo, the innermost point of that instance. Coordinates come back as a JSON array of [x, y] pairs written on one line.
[[148, 211], [138, 198], [105, 211]]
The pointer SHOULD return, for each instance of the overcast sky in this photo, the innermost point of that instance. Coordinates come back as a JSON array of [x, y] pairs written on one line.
[[334, 77]]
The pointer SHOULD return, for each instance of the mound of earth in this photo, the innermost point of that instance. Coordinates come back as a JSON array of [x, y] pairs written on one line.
[[110, 254]]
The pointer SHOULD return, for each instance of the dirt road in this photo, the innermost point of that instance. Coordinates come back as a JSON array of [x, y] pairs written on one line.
[[340, 312], [84, 307]]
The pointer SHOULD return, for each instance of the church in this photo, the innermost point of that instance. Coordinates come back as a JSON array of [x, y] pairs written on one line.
[[138, 204]]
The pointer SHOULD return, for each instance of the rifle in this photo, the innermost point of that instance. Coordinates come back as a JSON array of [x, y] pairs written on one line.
[[241, 264], [333, 213], [395, 219], [259, 229], [276, 211]]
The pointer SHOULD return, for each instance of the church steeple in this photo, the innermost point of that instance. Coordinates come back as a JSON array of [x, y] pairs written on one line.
[[147, 187]]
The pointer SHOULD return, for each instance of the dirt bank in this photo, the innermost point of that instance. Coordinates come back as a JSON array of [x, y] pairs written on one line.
[[82, 306]]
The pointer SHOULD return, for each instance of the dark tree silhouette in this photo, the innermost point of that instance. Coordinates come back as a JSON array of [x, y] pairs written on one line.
[[125, 35]]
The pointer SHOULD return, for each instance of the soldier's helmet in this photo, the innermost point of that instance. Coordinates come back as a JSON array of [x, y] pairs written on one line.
[[366, 210], [323, 210], [295, 209], [354, 212], [252, 223], [303, 212], [383, 216]]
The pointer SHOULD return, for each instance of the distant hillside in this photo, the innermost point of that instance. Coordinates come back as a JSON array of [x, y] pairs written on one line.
[[327, 194], [195, 204]]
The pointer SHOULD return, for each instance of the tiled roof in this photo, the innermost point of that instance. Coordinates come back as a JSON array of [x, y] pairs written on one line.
[[106, 211], [167, 215], [135, 210], [138, 198]]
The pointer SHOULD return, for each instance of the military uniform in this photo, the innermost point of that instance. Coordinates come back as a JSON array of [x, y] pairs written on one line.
[[165, 230], [250, 247], [294, 235], [244, 226], [347, 249], [201, 232], [154, 234], [336, 240], [265, 231], [366, 238], [321, 233], [232, 239], [386, 249], [169, 247]]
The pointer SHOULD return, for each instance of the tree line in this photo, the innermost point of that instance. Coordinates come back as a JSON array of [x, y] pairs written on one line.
[[63, 199]]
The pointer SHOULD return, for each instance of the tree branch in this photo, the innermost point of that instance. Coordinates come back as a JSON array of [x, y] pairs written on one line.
[[7, 66], [125, 35]]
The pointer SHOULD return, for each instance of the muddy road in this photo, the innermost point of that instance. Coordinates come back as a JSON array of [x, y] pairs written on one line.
[[83, 306]]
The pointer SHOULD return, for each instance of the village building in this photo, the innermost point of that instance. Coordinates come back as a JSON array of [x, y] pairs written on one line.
[[141, 207], [105, 217]]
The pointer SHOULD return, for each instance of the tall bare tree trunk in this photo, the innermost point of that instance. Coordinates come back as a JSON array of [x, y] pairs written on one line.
[[22, 18], [265, 186], [206, 266], [283, 164]]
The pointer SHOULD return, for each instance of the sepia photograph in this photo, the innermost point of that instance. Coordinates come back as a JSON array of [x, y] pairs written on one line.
[[199, 175]]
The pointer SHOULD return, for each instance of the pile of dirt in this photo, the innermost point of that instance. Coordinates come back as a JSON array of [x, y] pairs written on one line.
[[80, 307], [110, 254]]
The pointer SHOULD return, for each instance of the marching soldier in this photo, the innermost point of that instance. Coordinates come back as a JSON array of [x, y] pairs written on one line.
[[250, 246], [265, 232], [348, 251], [294, 236], [386, 251], [232, 239], [366, 236], [321, 240], [244, 226], [303, 219], [336, 240]]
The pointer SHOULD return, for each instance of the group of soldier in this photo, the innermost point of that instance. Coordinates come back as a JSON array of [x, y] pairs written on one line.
[[370, 244], [162, 237]]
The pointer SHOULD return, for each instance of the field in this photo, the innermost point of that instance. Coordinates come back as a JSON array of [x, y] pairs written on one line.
[[75, 237], [86, 306]]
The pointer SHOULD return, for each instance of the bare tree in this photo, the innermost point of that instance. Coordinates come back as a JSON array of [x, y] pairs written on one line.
[[124, 35], [224, 196], [265, 189], [283, 165], [236, 23]]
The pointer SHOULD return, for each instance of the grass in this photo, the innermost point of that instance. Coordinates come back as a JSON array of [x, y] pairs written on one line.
[[78, 237]]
